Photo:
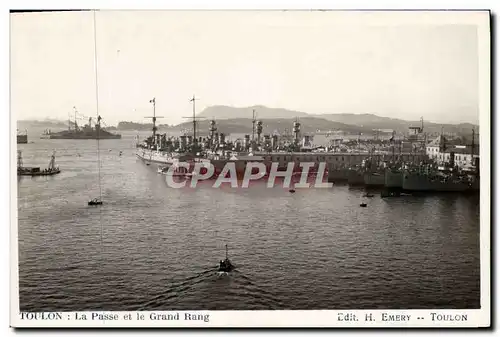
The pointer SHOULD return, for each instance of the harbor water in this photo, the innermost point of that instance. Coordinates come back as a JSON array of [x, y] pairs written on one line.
[[152, 247]]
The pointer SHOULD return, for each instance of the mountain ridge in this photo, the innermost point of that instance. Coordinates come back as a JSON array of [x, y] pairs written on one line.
[[239, 120]]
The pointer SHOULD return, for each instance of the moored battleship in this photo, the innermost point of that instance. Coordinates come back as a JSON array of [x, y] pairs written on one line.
[[215, 149], [280, 151], [86, 132]]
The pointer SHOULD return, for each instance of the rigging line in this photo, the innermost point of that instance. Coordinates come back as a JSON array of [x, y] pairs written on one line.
[[98, 122]]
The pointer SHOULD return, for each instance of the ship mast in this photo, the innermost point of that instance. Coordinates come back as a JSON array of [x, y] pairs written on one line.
[[254, 120], [97, 111], [472, 147], [154, 117], [74, 110], [195, 141], [194, 117], [393, 140], [359, 144]]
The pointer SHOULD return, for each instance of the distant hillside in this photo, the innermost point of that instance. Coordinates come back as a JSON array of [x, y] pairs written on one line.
[[244, 125], [133, 126], [238, 120], [355, 122], [227, 112], [371, 120], [400, 125], [45, 124]]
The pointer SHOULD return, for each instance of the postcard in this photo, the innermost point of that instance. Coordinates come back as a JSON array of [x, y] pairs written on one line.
[[250, 168]]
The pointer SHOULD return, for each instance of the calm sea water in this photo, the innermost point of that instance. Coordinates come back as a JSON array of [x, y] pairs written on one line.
[[151, 247]]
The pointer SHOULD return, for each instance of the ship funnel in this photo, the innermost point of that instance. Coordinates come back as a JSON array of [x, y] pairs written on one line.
[[246, 144], [212, 128], [183, 144], [296, 131], [274, 141], [213, 125], [306, 141], [259, 131], [222, 138], [176, 143]]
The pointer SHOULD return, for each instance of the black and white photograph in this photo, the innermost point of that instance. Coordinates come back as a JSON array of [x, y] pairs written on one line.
[[177, 167]]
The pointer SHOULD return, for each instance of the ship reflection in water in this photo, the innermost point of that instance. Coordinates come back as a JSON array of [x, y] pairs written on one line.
[[313, 249]]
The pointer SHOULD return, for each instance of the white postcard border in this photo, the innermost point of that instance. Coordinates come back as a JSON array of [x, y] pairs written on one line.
[[296, 318]]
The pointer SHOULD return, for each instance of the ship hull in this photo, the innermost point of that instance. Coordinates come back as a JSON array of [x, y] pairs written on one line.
[[22, 139], [374, 179], [355, 178], [38, 173], [338, 175], [84, 137], [240, 165], [154, 157], [422, 183], [393, 179]]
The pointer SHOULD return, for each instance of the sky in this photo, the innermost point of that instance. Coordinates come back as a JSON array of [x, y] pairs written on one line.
[[399, 66]]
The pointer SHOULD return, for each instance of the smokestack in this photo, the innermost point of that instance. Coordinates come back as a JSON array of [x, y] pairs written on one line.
[[274, 142], [259, 131], [246, 144], [296, 131]]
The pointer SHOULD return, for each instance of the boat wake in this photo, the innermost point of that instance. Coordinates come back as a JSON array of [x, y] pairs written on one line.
[[216, 289]]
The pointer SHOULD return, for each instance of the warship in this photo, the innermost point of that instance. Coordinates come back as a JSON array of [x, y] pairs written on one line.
[[86, 132], [359, 167], [269, 149]]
